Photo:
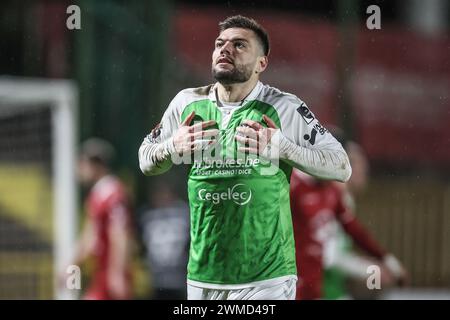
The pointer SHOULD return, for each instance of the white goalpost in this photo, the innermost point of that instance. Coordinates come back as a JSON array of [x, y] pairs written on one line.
[[34, 113]]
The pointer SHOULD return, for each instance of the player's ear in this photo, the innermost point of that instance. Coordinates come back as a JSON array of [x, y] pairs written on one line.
[[263, 61]]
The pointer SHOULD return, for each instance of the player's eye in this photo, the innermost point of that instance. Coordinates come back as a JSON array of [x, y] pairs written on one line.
[[219, 44], [239, 45]]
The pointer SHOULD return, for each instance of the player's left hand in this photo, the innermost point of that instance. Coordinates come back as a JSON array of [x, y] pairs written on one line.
[[255, 137]]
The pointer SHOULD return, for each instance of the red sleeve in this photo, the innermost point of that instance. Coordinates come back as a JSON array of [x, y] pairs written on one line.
[[359, 234]]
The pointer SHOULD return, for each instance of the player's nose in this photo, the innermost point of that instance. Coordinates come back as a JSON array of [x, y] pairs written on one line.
[[226, 48]]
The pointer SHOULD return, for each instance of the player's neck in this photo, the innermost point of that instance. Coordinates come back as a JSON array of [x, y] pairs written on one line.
[[235, 92]]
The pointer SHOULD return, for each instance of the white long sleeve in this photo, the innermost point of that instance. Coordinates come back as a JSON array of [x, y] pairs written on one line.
[[156, 149], [154, 157], [330, 164], [304, 143]]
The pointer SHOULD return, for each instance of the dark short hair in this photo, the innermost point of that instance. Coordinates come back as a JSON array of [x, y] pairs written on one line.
[[98, 151], [247, 23]]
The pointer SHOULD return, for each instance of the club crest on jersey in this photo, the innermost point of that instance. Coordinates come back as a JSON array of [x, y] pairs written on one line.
[[155, 133], [306, 114]]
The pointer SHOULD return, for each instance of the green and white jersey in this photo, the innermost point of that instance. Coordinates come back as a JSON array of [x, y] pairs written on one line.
[[241, 228]]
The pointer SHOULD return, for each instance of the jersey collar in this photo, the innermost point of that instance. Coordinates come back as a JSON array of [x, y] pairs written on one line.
[[251, 96]]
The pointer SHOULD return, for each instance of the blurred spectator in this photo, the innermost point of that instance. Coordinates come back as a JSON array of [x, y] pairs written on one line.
[[341, 263], [164, 225], [345, 261], [317, 208], [107, 233]]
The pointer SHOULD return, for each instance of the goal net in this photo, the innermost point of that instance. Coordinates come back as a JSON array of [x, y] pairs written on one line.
[[37, 186]]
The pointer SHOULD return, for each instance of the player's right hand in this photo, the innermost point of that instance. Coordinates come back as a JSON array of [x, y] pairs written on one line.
[[189, 138]]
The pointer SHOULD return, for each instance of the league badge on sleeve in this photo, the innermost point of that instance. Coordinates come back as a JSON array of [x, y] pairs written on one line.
[[306, 114]]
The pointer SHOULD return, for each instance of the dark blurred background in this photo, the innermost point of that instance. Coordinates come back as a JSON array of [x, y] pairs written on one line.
[[388, 89]]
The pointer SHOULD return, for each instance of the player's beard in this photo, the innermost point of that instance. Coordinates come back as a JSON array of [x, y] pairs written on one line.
[[240, 73]]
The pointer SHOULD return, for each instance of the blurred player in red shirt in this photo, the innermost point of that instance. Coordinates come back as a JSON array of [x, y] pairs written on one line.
[[107, 232], [316, 205]]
